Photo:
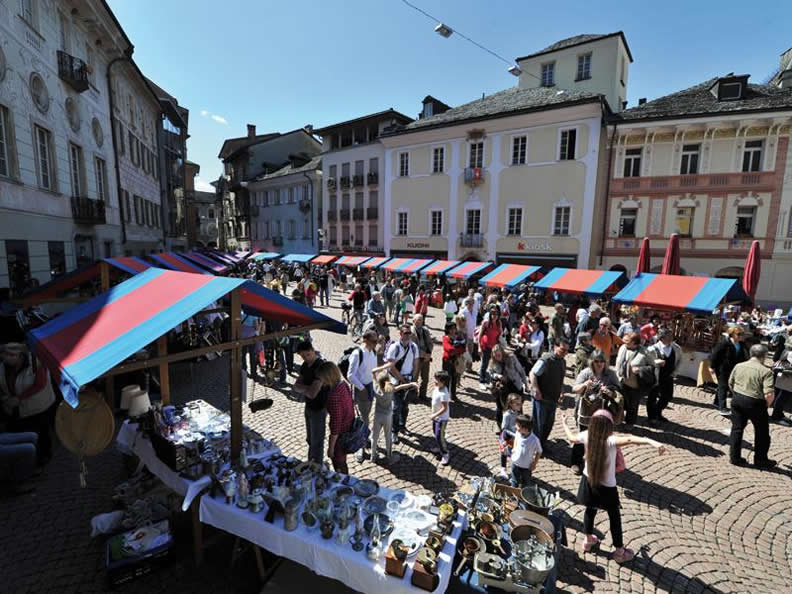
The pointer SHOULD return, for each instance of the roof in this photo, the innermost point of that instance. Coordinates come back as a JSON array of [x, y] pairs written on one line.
[[509, 275], [576, 40], [512, 101], [177, 111], [177, 262], [207, 263], [468, 269], [579, 281], [699, 101], [429, 98], [667, 291], [90, 339], [314, 163], [232, 145], [380, 114]]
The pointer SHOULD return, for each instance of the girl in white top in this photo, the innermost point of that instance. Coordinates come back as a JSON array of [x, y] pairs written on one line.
[[597, 488], [441, 404]]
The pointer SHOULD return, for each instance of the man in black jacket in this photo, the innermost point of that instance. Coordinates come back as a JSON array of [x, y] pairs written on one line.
[[726, 354]]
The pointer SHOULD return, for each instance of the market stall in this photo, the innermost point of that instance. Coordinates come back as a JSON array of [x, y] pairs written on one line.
[[582, 282], [373, 263], [690, 303], [176, 262], [406, 265], [440, 267], [208, 263], [298, 258], [509, 276], [258, 257], [324, 259], [351, 261], [221, 257], [467, 270]]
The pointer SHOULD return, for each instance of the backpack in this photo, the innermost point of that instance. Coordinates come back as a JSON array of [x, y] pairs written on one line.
[[343, 362]]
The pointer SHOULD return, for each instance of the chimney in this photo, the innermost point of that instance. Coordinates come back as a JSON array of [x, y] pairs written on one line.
[[251, 130], [308, 128], [642, 100]]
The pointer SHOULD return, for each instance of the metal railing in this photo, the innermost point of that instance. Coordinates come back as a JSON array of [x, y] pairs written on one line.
[[87, 211], [471, 240], [73, 71]]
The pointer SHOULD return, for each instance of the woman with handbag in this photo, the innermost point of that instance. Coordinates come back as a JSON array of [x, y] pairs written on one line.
[[340, 412], [454, 349], [597, 489]]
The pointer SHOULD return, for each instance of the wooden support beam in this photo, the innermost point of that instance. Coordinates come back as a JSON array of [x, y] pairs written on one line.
[[104, 274], [236, 376], [162, 352]]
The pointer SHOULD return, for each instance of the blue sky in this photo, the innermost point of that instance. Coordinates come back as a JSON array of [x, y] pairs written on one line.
[[281, 65]]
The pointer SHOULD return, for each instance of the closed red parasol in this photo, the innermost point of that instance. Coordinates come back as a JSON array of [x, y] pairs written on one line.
[[753, 269], [671, 260], [644, 257]]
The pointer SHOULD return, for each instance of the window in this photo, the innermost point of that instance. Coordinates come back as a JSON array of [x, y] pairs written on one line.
[[44, 158], [374, 165], [519, 144], [108, 249], [746, 215], [57, 258], [359, 200], [290, 195], [473, 222], [548, 74], [438, 160], [437, 222], [561, 218], [632, 162], [211, 213], [146, 212], [120, 136], [752, 156], [515, 222], [584, 67], [333, 170], [684, 221], [277, 228], [345, 170], [333, 203], [402, 224], [373, 233], [292, 228], [345, 235], [568, 138], [373, 199], [476, 154], [690, 159], [6, 143], [101, 178], [358, 235], [359, 167], [627, 219], [28, 10], [404, 164], [333, 236], [306, 231], [138, 209], [266, 229]]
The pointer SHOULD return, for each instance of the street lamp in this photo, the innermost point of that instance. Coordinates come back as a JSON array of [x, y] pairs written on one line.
[[443, 30]]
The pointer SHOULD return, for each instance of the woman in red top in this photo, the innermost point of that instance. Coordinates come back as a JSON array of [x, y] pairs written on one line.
[[340, 410], [454, 346], [422, 301], [489, 335]]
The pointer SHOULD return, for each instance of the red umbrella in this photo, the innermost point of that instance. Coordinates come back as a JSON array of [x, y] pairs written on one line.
[[753, 269], [644, 257], [671, 260]]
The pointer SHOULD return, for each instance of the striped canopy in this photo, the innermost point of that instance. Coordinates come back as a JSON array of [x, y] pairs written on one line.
[[413, 266], [302, 258], [221, 257], [440, 267], [177, 262], [468, 269], [351, 261], [265, 256], [323, 259], [582, 282], [374, 262], [665, 291], [206, 262], [508, 275], [92, 338]]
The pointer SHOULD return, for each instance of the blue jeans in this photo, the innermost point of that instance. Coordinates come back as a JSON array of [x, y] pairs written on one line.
[[18, 455], [520, 477], [315, 423], [486, 354], [544, 412], [401, 407], [324, 296]]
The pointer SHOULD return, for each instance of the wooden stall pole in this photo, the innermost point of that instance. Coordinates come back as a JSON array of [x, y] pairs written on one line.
[[162, 351], [236, 376], [104, 276]]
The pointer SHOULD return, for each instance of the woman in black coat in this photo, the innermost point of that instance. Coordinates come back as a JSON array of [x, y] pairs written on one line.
[[725, 355]]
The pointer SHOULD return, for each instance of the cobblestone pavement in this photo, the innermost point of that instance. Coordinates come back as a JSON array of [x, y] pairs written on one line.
[[697, 523]]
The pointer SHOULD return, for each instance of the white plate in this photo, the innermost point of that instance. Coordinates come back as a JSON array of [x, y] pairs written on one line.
[[404, 498], [409, 538]]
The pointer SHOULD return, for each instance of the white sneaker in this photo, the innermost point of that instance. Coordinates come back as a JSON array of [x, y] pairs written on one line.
[[361, 455], [502, 473], [444, 461]]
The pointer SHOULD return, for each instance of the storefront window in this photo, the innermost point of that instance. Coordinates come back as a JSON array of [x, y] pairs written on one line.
[[18, 265], [57, 258]]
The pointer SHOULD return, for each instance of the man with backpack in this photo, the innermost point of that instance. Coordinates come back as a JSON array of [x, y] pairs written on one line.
[[315, 392], [357, 366], [402, 359]]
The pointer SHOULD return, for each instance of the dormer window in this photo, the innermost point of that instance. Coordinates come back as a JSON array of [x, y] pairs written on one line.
[[548, 74], [730, 88], [727, 91], [428, 110], [584, 67]]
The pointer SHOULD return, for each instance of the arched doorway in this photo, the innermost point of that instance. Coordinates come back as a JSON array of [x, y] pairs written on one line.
[[730, 272], [620, 268]]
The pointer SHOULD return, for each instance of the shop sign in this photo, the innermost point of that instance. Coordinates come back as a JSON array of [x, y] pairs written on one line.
[[535, 246], [418, 246]]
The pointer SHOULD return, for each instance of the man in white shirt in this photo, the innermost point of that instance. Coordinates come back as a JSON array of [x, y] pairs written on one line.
[[361, 363], [402, 357], [629, 325]]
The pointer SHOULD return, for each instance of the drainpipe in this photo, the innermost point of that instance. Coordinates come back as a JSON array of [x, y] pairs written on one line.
[[310, 185], [125, 58], [607, 197]]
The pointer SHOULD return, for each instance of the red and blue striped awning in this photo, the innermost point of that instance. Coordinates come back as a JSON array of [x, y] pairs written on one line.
[[220, 257], [414, 266], [324, 259], [351, 261], [468, 269], [440, 267], [508, 275], [177, 262], [396, 263], [666, 291], [582, 282], [206, 262], [129, 264], [85, 342], [374, 262]]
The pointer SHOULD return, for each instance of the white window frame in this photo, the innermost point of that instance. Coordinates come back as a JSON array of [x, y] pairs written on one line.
[[404, 164], [516, 229], [432, 213], [44, 161], [101, 178], [752, 151], [6, 143], [634, 218], [468, 212], [406, 220], [684, 167], [632, 161], [557, 208], [522, 151], [583, 71], [438, 150], [547, 74], [560, 142], [29, 11], [476, 143]]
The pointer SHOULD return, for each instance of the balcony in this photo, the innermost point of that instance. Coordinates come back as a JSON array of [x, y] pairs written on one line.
[[474, 175], [471, 240], [277, 241], [345, 242], [345, 212], [331, 184], [373, 178], [73, 71], [372, 212], [332, 215], [705, 182], [345, 182], [357, 181], [88, 212], [304, 205], [357, 214]]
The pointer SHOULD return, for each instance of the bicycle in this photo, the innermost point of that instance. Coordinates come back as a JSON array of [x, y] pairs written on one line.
[[357, 323]]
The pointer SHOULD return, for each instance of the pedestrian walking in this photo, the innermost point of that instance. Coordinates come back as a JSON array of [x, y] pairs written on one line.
[[422, 338], [388, 293], [508, 430], [310, 385], [362, 362], [508, 377], [726, 354], [636, 375], [402, 360], [547, 382], [324, 288], [783, 388], [605, 339], [441, 413], [454, 350], [557, 325], [489, 334], [667, 357], [383, 412]]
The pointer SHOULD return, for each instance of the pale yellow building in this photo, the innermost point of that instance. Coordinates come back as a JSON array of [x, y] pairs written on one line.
[[511, 177]]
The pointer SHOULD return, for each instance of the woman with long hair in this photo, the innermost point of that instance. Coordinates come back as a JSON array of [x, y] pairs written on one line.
[[597, 489], [340, 411], [454, 348]]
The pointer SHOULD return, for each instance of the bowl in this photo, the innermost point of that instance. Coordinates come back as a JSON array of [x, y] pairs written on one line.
[[523, 517], [524, 532]]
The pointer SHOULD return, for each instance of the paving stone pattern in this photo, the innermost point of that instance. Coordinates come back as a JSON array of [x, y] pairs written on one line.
[[697, 523]]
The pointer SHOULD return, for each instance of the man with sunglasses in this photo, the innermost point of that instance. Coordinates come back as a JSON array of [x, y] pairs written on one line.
[[402, 359]]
